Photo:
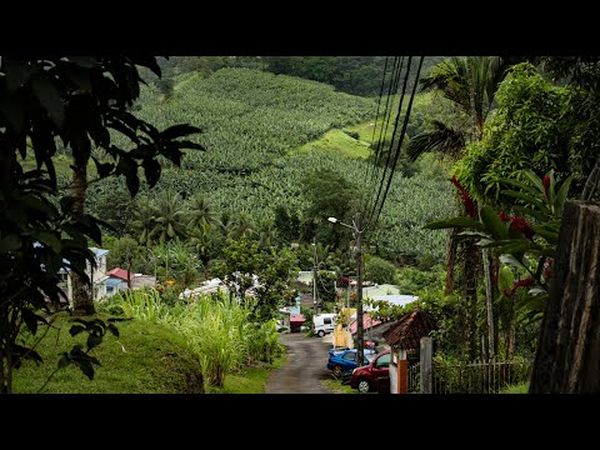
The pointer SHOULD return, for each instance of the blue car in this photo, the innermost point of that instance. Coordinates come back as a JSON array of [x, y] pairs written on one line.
[[343, 362]]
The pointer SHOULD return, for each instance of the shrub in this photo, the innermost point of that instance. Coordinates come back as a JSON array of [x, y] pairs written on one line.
[[379, 270]]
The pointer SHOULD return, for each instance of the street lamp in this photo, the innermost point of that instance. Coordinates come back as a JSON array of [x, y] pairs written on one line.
[[357, 232]]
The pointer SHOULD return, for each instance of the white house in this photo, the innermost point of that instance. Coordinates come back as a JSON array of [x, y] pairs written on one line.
[[96, 275]]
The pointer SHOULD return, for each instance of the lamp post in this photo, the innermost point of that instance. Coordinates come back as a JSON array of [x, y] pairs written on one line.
[[357, 232]]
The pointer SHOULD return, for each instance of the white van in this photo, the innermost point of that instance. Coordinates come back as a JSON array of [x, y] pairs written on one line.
[[324, 324]]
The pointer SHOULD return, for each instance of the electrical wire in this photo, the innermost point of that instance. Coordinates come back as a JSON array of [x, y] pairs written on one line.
[[402, 134], [391, 147]]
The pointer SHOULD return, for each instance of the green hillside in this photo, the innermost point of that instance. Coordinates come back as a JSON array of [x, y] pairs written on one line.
[[264, 136]]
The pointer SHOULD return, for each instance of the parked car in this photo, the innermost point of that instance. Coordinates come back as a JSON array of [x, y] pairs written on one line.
[[373, 377], [324, 324], [342, 362]]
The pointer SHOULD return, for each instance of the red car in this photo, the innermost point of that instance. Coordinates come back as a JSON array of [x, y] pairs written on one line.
[[374, 377]]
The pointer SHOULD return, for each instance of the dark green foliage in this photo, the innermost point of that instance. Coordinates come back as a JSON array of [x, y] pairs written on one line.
[[330, 195], [360, 75], [411, 280], [128, 254], [530, 130], [380, 271], [326, 286], [287, 225], [245, 263], [75, 102]]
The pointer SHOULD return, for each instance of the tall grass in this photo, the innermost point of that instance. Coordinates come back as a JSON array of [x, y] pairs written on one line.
[[217, 329]]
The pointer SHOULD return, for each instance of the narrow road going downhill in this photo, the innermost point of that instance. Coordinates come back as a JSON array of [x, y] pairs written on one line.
[[306, 367]]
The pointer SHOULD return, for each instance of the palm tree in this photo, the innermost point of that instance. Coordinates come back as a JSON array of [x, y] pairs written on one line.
[[470, 84], [200, 241], [169, 218], [242, 226], [144, 220], [200, 212]]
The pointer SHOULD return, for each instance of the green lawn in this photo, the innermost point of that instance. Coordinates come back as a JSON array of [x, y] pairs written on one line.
[[336, 387], [339, 142], [146, 358], [252, 380]]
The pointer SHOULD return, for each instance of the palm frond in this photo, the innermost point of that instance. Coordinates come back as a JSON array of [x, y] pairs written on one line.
[[441, 139]]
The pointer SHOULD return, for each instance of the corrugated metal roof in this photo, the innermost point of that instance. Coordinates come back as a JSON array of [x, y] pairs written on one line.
[[368, 322], [117, 272]]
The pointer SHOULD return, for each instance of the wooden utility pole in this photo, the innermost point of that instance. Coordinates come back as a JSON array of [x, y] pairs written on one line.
[[569, 347], [315, 290], [359, 292]]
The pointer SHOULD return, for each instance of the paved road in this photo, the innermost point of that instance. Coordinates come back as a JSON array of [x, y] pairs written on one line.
[[306, 366]]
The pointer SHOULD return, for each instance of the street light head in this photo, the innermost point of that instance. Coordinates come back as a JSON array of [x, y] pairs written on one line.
[[332, 220]]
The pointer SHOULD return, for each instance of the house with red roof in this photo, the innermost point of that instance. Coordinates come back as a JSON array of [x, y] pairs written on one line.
[[119, 279]]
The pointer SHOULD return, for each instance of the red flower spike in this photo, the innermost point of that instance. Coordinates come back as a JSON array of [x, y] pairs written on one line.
[[520, 225], [546, 182], [527, 282], [504, 217], [466, 197]]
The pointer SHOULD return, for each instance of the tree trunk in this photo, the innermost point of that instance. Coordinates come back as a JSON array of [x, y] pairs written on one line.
[[83, 303], [489, 300], [471, 260], [568, 354], [452, 245]]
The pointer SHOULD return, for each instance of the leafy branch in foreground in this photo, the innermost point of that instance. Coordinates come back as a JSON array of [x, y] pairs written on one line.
[[77, 356]]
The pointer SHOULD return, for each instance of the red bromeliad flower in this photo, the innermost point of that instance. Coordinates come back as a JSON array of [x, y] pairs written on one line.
[[520, 225], [504, 217], [527, 282], [546, 182], [466, 197]]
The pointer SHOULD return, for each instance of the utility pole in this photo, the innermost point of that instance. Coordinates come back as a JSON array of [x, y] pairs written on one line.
[[315, 290], [359, 291], [357, 232]]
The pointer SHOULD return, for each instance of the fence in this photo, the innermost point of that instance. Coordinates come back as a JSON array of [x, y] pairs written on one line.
[[414, 378], [478, 377]]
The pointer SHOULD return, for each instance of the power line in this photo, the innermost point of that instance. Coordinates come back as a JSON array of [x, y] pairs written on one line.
[[399, 112], [402, 134], [392, 88], [370, 170]]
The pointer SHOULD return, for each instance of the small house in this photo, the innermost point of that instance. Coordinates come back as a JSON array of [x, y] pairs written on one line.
[[96, 275], [404, 339], [120, 280]]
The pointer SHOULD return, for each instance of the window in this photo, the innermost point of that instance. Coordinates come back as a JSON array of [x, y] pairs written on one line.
[[383, 361], [327, 321], [350, 356]]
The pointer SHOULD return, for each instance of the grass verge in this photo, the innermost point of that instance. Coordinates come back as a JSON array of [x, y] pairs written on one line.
[[252, 380], [522, 388], [337, 388], [146, 358]]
